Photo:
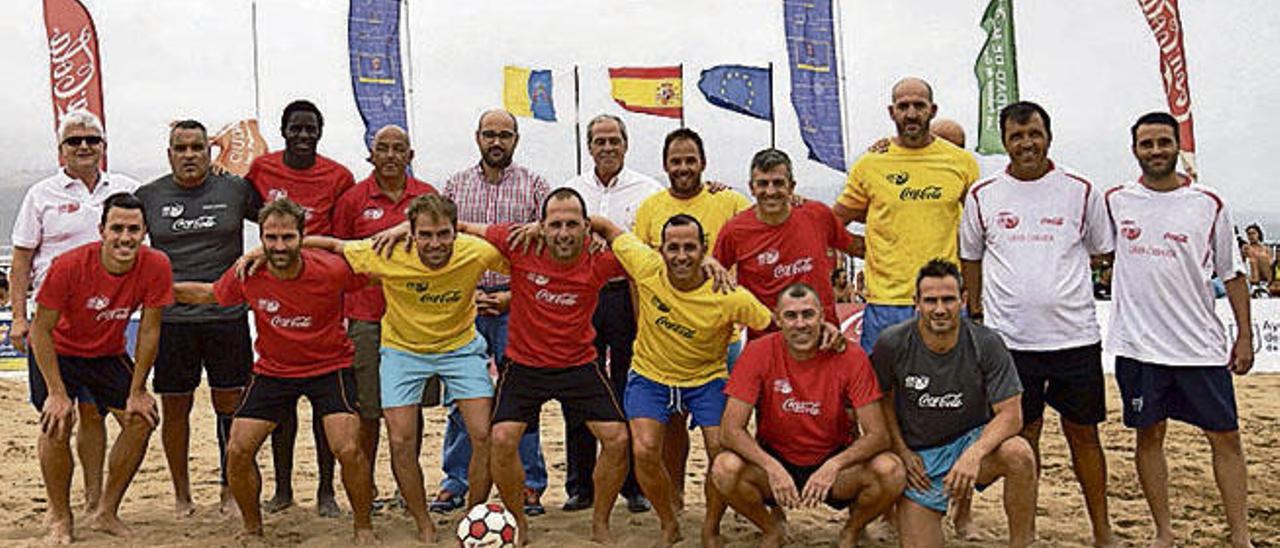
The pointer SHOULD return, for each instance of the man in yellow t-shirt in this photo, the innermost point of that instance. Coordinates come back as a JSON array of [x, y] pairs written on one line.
[[682, 338], [910, 199], [429, 329]]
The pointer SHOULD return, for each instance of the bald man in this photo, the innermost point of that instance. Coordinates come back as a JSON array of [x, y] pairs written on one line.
[[949, 130]]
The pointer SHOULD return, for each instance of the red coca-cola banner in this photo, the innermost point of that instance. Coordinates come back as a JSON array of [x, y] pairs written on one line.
[[238, 144], [75, 74], [1166, 24]]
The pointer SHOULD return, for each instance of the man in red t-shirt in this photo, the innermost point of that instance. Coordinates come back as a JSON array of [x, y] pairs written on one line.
[[314, 182], [302, 351], [550, 352], [373, 205], [78, 339], [802, 454], [776, 244]]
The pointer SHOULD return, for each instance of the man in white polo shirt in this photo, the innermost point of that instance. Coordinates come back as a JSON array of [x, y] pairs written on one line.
[[613, 191], [59, 213], [1173, 357], [1025, 240]]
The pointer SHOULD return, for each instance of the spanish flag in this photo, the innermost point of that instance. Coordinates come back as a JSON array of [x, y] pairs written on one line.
[[651, 90], [528, 93]]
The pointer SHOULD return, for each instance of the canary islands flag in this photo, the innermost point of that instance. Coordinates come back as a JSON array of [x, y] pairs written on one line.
[[651, 90], [528, 93], [745, 90]]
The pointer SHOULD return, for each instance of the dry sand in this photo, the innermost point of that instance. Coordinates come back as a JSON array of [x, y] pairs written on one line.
[[1197, 513]]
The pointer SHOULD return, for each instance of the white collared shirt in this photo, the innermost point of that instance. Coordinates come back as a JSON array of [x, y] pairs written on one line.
[[59, 213], [618, 199]]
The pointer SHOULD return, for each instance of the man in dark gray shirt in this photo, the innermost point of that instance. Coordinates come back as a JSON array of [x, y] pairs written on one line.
[[954, 411], [197, 219]]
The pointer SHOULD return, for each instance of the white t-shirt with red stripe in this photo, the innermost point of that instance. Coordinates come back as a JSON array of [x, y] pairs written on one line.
[[1169, 245], [1034, 239]]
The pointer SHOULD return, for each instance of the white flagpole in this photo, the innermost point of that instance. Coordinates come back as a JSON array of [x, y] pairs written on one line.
[[407, 66], [845, 124], [257, 91]]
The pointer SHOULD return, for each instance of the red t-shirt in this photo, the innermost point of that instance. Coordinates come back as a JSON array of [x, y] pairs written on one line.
[[316, 188], [361, 212], [770, 258], [95, 305], [552, 303], [800, 406], [299, 321]]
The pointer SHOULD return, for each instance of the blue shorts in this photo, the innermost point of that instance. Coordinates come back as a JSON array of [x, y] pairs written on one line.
[[648, 399], [938, 461], [1202, 396], [735, 350], [878, 317], [465, 373]]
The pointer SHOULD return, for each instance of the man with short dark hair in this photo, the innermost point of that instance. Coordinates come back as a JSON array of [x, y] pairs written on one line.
[[1026, 236], [302, 351], [801, 455], [78, 340], [301, 174], [197, 219], [1172, 236], [954, 412]]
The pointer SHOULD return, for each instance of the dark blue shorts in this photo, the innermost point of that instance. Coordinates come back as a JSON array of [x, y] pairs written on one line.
[[649, 399], [39, 391], [1201, 396], [104, 381]]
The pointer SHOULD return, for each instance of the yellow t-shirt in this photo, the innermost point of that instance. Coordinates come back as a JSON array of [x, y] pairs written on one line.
[[913, 199], [682, 337], [712, 210], [429, 311]]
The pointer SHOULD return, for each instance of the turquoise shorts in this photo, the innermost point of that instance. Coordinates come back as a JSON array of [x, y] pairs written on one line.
[[938, 461], [465, 373]]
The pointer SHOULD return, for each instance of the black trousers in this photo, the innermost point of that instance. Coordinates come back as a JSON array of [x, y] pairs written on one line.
[[615, 324]]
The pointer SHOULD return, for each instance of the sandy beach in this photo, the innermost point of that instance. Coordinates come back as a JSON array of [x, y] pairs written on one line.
[[148, 506]]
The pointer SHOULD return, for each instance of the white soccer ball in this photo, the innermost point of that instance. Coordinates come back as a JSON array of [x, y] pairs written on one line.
[[487, 525]]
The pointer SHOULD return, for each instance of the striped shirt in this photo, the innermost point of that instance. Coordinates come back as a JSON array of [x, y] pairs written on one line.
[[515, 198]]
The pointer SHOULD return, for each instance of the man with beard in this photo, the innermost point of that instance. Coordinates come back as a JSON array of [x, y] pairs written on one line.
[[59, 213], [302, 351], [551, 354], [954, 412], [1025, 239], [1173, 357], [684, 159], [495, 190], [910, 200], [197, 219], [78, 339], [373, 205], [614, 191], [314, 182]]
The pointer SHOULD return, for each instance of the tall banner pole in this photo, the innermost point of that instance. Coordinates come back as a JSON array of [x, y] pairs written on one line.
[[408, 55], [257, 91], [682, 95], [843, 94], [577, 118], [773, 115]]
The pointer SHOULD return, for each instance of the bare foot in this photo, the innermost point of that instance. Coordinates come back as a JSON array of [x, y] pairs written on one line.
[[277, 503], [1106, 541], [364, 537], [251, 538], [600, 532], [227, 505], [184, 508], [780, 517], [711, 537], [327, 506], [1162, 541], [59, 531], [109, 524], [427, 535], [774, 539], [670, 535]]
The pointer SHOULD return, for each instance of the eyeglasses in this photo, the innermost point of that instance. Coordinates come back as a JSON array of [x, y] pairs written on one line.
[[500, 135], [92, 140]]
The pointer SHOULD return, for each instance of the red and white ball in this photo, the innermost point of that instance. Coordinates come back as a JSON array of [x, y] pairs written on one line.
[[489, 525]]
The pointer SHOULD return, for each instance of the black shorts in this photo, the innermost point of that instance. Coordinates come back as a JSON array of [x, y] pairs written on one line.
[[1201, 396], [106, 380], [581, 390], [276, 398], [221, 348], [1069, 380], [800, 475]]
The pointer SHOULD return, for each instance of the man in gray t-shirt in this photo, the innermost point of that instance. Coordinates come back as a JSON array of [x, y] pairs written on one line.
[[955, 411], [197, 219]]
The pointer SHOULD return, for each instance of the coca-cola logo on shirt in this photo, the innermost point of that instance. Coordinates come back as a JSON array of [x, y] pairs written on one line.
[[950, 400], [276, 194], [270, 306], [291, 322], [372, 213], [898, 178], [932, 192], [113, 314], [97, 302], [800, 266], [537, 279], [1053, 221], [916, 382], [69, 207], [1007, 220], [1176, 237], [172, 210], [558, 299], [801, 407], [782, 386], [1130, 229], [767, 257], [203, 222]]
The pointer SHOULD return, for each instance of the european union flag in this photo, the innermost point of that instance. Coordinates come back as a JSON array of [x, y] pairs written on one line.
[[742, 89]]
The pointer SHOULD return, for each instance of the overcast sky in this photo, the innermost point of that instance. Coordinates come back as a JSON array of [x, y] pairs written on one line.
[[1091, 63]]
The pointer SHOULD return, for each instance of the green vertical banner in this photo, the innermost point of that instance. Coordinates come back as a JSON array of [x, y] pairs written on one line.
[[997, 72]]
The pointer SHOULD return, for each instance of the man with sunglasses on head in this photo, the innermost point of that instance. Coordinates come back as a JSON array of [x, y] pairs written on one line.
[[59, 213]]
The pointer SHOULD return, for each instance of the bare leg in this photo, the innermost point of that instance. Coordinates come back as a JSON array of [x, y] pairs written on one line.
[[475, 416], [91, 447], [1233, 483], [508, 474], [873, 487], [342, 431], [1090, 465], [745, 487], [282, 441], [675, 449], [1153, 474], [716, 502], [401, 430], [126, 455], [918, 527], [651, 473], [247, 436], [56, 467], [1016, 463], [610, 472], [175, 436]]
